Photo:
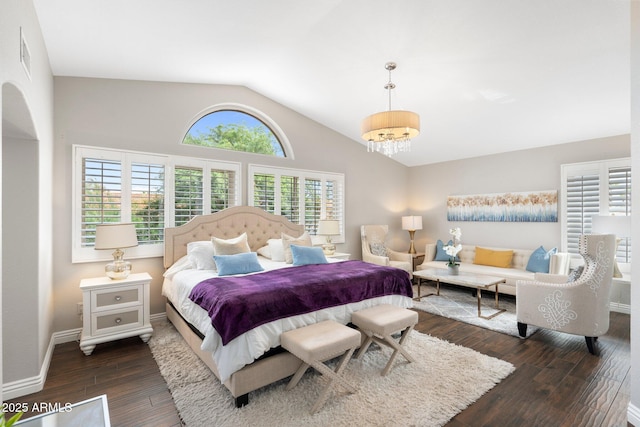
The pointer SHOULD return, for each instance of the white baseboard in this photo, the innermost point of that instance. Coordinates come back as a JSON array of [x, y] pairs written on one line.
[[67, 336], [30, 385], [158, 316], [633, 415], [620, 308], [25, 386]]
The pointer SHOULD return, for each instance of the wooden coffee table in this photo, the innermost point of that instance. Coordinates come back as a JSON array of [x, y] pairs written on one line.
[[470, 280]]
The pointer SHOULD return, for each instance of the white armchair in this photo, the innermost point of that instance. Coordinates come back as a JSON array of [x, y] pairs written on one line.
[[579, 307], [375, 251]]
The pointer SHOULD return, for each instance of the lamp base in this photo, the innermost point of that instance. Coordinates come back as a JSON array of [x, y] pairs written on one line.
[[118, 270], [329, 248], [412, 248]]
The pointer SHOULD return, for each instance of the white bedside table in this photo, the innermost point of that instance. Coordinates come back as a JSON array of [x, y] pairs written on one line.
[[114, 309]]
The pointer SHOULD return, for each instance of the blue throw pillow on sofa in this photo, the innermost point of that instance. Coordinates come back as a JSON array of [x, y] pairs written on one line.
[[441, 255], [540, 259]]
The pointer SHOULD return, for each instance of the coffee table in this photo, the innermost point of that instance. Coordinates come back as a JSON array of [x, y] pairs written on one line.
[[470, 280]]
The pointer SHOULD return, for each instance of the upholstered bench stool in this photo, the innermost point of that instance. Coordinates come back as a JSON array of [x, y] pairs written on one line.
[[379, 322], [317, 343]]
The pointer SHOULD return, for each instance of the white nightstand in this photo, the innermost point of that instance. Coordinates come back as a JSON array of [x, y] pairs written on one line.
[[339, 255], [114, 309]]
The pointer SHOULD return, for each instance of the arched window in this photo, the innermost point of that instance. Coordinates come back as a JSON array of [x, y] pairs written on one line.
[[237, 128]]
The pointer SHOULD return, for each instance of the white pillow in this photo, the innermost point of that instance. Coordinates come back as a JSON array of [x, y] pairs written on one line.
[[276, 247], [183, 263], [237, 245], [264, 251], [200, 254]]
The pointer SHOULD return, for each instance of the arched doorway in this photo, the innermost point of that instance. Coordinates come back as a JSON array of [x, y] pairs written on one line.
[[19, 235]]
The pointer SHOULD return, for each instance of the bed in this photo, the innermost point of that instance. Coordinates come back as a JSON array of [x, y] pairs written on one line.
[[252, 359]]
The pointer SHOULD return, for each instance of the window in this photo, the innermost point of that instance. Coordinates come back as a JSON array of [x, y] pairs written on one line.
[[595, 188], [238, 128], [152, 191], [304, 197]]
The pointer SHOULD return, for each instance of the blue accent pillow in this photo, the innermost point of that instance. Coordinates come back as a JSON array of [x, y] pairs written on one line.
[[540, 259], [304, 255], [441, 255], [242, 263]]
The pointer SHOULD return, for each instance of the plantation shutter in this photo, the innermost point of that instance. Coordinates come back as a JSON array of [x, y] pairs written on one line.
[[303, 197], [223, 189], [188, 194], [583, 201], [312, 204], [147, 202], [620, 204], [290, 198], [101, 198], [334, 198], [264, 192]]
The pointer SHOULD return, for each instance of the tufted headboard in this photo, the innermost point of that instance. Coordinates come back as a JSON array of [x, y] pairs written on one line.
[[259, 225]]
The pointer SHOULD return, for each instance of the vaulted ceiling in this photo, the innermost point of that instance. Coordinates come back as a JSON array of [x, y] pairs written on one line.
[[486, 76]]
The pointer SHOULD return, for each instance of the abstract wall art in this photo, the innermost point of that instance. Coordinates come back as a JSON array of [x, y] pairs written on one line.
[[533, 206]]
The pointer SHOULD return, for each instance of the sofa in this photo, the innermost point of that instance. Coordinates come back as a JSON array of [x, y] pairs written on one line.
[[517, 270]]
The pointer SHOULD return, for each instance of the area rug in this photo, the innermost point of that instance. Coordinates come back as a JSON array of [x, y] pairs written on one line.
[[444, 380], [460, 304]]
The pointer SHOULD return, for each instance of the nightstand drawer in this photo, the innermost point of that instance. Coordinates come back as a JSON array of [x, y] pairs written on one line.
[[108, 299], [105, 323]]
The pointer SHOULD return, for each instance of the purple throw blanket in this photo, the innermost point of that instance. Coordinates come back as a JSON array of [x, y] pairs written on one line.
[[237, 304]]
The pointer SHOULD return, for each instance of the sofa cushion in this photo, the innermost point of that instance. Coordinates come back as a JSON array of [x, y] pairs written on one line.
[[540, 259], [441, 255], [485, 256]]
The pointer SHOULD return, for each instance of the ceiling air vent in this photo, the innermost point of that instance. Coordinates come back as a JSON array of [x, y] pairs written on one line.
[[25, 54]]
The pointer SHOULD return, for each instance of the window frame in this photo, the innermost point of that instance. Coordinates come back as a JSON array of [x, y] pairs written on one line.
[[257, 114], [600, 168], [302, 174], [81, 254]]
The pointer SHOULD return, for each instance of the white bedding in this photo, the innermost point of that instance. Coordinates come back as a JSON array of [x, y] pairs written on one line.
[[249, 346]]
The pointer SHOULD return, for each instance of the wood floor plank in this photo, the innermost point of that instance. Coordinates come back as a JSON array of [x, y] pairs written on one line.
[[556, 381]]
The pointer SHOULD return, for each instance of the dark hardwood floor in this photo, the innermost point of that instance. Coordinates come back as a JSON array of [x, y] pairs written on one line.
[[556, 382]]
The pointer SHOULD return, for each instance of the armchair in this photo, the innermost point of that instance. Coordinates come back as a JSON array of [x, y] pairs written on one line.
[[579, 307], [375, 251]]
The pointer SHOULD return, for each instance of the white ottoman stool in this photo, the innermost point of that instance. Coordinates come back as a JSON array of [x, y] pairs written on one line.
[[379, 322], [316, 343]]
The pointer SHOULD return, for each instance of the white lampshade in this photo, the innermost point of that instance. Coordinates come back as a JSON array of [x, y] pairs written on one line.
[[116, 236], [412, 223], [392, 125], [328, 227], [620, 225]]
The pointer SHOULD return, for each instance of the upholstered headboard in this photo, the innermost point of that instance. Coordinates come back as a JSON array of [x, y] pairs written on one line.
[[259, 225]]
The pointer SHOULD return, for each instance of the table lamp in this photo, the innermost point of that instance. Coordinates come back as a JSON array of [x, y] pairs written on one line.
[[116, 236], [620, 225], [411, 224], [328, 227]]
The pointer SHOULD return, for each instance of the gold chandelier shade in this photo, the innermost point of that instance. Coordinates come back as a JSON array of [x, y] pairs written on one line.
[[390, 132], [393, 125]]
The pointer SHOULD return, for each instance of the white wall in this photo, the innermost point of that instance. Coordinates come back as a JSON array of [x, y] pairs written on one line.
[[634, 404], [525, 170], [153, 117], [27, 112]]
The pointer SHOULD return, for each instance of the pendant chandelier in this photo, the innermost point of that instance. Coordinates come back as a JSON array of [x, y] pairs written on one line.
[[390, 132]]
